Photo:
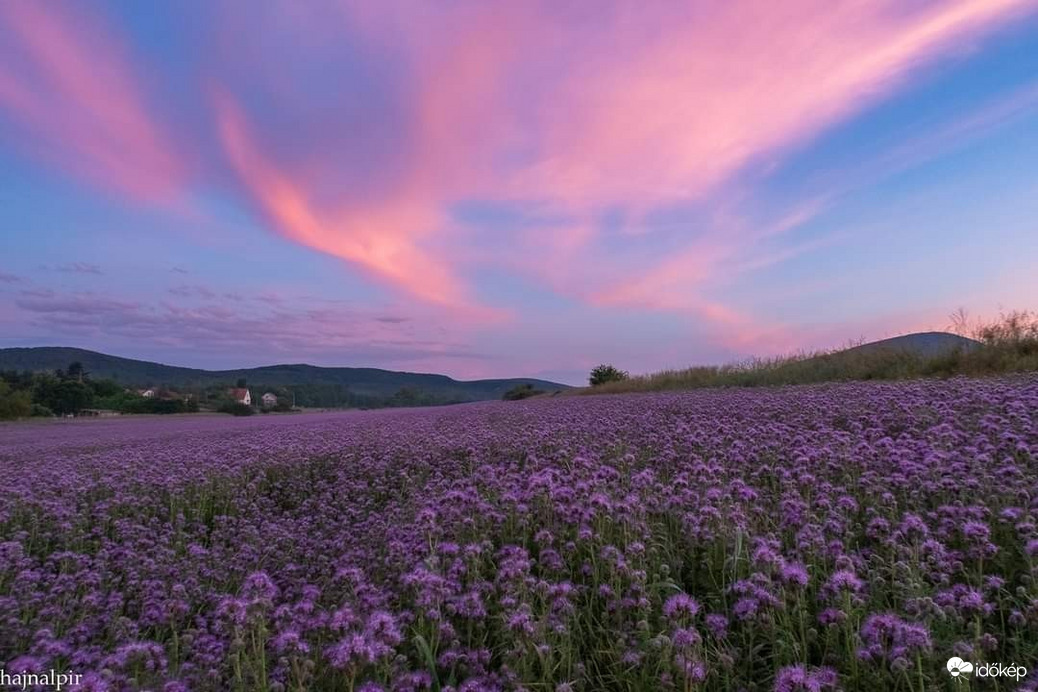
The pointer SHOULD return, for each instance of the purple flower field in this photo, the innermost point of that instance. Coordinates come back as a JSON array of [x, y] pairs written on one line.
[[851, 536]]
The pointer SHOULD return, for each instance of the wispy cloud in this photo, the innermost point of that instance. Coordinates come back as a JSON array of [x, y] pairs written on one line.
[[380, 239], [70, 87], [192, 291], [641, 108], [676, 101], [289, 329], [932, 140], [79, 268]]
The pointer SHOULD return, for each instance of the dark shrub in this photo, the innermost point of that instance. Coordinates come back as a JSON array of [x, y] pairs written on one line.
[[14, 404], [606, 373], [236, 408], [521, 391], [41, 411]]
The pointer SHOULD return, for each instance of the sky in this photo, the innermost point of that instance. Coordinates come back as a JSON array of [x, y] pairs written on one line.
[[495, 188]]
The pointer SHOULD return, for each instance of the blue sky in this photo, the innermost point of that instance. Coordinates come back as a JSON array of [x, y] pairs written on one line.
[[489, 189]]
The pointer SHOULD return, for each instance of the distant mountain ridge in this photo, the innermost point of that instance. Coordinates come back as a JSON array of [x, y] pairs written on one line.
[[362, 381]]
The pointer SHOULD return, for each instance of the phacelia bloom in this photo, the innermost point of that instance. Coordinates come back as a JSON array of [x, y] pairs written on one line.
[[382, 627], [801, 678], [259, 587], [680, 606], [354, 651], [888, 637], [289, 642], [685, 638], [25, 664], [521, 621], [746, 608], [831, 616], [233, 611], [691, 668], [717, 624], [976, 531], [844, 580], [964, 601], [794, 574], [150, 656]]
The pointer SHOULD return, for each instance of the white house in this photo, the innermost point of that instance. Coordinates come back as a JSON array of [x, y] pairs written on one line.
[[270, 400], [147, 393], [242, 396]]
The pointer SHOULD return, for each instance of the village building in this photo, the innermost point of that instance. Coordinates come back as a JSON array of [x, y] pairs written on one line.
[[270, 400], [242, 396]]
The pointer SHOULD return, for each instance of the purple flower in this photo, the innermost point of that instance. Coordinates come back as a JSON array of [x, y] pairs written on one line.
[[801, 678], [685, 638], [888, 637], [794, 574], [680, 606], [717, 624], [259, 587], [844, 581]]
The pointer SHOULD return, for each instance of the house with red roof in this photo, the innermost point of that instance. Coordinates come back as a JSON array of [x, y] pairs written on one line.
[[242, 395]]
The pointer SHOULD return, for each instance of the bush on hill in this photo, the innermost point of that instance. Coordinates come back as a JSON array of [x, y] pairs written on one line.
[[521, 391], [604, 374]]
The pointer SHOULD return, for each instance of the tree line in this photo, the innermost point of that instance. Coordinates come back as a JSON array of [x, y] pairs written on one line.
[[73, 390]]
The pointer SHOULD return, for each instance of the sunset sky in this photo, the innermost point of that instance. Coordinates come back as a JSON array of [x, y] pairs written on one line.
[[511, 188]]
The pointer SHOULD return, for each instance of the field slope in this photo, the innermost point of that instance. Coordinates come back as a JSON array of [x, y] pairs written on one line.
[[848, 536]]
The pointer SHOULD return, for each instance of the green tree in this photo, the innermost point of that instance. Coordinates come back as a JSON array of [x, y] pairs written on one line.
[[75, 371], [62, 395], [14, 404], [406, 396], [104, 388], [606, 373]]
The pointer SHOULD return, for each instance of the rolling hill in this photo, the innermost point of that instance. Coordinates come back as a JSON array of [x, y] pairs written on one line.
[[371, 382], [923, 354], [921, 344]]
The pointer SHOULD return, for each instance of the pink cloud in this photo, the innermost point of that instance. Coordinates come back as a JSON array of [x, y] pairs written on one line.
[[397, 229], [678, 101], [77, 98], [644, 107], [728, 247], [382, 237]]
